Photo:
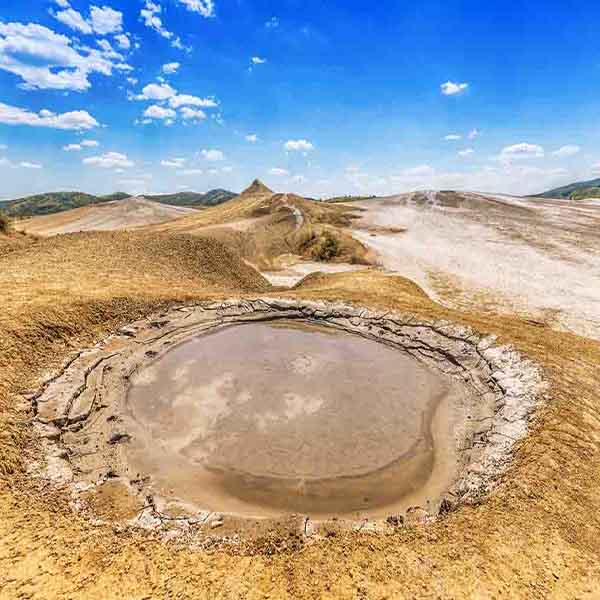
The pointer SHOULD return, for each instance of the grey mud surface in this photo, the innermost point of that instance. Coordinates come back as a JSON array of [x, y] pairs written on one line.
[[462, 403]]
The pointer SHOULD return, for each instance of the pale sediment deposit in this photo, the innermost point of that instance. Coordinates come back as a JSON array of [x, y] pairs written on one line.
[[246, 411]]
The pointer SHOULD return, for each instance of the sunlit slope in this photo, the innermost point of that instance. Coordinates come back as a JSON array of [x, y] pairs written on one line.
[[108, 216]]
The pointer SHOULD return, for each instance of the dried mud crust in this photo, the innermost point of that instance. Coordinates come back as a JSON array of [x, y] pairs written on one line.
[[77, 410]]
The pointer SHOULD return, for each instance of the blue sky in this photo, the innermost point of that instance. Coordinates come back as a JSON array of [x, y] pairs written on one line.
[[322, 98]]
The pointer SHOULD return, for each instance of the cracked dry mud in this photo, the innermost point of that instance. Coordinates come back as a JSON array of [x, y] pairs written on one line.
[[100, 441]]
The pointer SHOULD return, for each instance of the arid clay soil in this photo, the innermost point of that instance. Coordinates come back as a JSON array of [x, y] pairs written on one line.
[[534, 536], [108, 216]]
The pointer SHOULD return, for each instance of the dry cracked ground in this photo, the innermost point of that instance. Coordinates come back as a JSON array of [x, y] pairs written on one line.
[[524, 271]]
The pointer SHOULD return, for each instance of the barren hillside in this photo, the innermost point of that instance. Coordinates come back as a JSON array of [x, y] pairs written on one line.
[[117, 214]]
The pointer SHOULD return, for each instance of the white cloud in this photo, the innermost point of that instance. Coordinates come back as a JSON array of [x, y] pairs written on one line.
[[192, 114], [159, 112], [62, 3], [123, 41], [170, 68], [190, 172], [156, 91], [521, 151], [151, 19], [187, 100], [106, 20], [272, 23], [132, 80], [109, 160], [568, 150], [72, 148], [452, 137], [299, 179], [419, 171], [466, 152], [206, 8], [76, 120], [279, 172], [73, 19], [83, 144], [474, 133], [298, 145], [44, 59], [252, 138], [450, 88], [257, 60], [90, 143], [30, 165], [227, 169], [174, 163], [596, 168], [213, 155]]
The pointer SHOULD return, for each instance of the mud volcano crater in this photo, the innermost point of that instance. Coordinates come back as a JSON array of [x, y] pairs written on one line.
[[259, 409]]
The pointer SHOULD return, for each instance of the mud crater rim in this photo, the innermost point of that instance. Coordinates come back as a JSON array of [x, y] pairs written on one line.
[[74, 408]]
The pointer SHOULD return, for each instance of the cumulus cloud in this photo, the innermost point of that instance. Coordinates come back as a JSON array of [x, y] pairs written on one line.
[[157, 91], [170, 68], [252, 138], [30, 165], [102, 20], [452, 137], [81, 145], [109, 160], [73, 19], [106, 20], [149, 15], [272, 23], [279, 172], [568, 150], [62, 3], [186, 100], [522, 151], [174, 163], [44, 59], [192, 114], [466, 152], [190, 172], [451, 88], [206, 8], [123, 40], [213, 155], [77, 120], [257, 60], [298, 145], [159, 112]]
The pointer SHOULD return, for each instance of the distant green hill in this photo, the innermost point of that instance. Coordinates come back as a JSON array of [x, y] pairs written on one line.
[[53, 202], [593, 192], [580, 189], [211, 198]]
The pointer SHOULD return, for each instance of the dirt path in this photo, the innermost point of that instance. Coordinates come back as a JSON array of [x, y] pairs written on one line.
[[531, 256]]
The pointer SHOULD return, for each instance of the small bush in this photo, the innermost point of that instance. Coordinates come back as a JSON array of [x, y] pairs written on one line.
[[4, 223]]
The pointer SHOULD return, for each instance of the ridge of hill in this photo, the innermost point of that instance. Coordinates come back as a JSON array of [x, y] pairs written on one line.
[[574, 191], [53, 202], [56, 202]]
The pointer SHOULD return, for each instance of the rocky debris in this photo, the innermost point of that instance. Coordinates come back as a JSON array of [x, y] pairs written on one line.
[[128, 331], [119, 438], [416, 515]]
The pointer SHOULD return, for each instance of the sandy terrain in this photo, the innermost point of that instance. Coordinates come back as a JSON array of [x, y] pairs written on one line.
[[118, 214], [533, 256], [532, 532]]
